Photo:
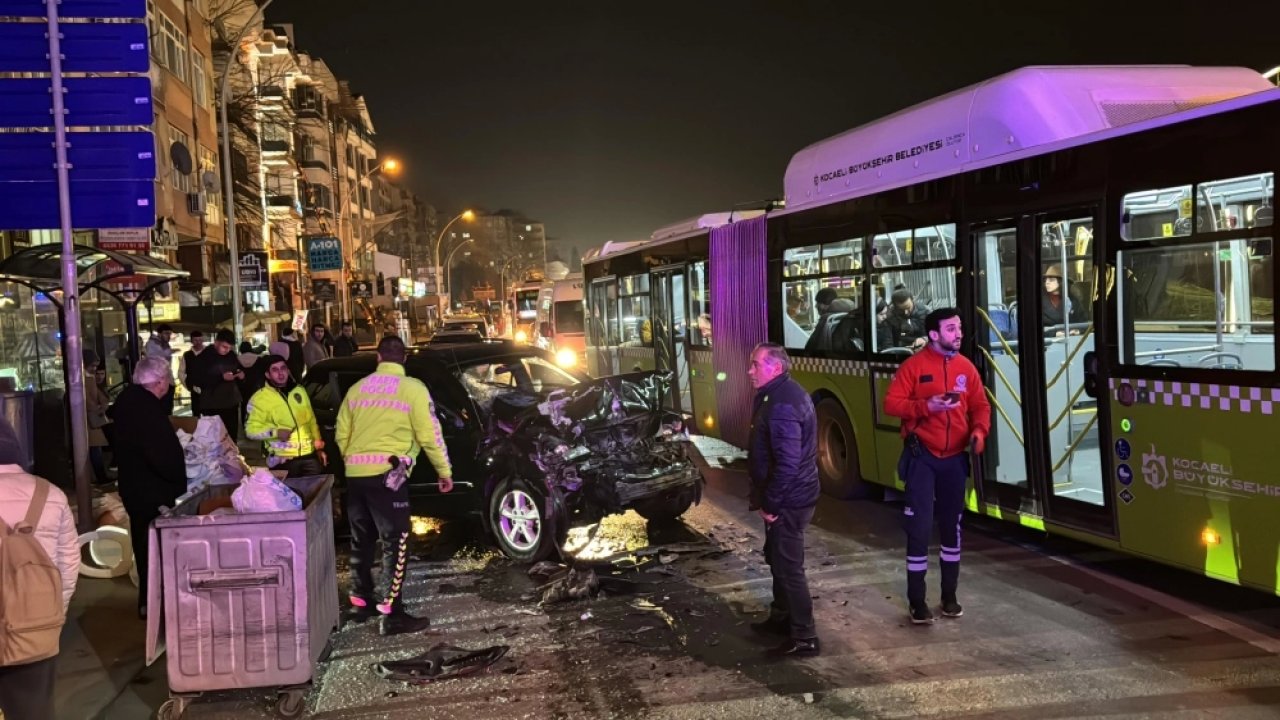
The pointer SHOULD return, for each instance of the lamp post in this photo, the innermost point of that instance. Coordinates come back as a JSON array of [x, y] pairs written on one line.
[[449, 264], [228, 184], [464, 215]]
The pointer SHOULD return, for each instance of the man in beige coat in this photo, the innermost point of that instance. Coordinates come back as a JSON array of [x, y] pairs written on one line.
[[26, 691]]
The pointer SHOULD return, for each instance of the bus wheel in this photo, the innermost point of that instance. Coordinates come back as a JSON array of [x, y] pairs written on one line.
[[838, 466]]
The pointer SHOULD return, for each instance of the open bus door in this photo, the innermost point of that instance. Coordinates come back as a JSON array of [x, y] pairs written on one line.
[[1036, 297], [670, 304]]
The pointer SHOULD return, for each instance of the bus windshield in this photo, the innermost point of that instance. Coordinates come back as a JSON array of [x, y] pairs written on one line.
[[527, 304], [569, 317]]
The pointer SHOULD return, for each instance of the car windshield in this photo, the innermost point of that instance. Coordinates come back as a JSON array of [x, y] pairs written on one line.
[[486, 381]]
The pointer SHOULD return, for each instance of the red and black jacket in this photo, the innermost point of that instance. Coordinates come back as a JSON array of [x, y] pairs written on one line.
[[929, 373]]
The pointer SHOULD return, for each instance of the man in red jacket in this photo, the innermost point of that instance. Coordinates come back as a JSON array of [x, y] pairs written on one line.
[[939, 396]]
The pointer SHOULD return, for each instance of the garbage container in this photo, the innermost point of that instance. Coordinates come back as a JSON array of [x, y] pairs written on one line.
[[245, 600]]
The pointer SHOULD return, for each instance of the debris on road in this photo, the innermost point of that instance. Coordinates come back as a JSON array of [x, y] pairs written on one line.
[[441, 662]]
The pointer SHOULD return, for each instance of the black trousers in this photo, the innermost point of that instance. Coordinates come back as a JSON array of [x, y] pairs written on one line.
[[935, 494], [139, 526], [230, 417], [26, 691], [376, 513], [304, 466], [784, 551]]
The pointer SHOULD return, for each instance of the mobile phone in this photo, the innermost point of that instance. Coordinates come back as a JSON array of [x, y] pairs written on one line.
[[951, 397]]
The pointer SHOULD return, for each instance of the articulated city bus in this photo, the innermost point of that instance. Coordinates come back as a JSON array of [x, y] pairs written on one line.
[[1107, 235]]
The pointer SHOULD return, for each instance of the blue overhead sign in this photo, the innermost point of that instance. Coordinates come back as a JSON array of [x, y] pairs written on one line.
[[324, 253], [86, 47], [109, 175], [126, 9], [89, 101], [94, 204], [30, 157]]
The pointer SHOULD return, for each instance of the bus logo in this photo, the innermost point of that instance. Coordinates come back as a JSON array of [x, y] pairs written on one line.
[[1155, 470]]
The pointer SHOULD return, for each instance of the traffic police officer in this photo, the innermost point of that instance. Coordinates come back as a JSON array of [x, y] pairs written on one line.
[[939, 396], [384, 420], [280, 416]]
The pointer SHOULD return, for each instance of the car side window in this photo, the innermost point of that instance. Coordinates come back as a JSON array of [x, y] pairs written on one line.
[[322, 393]]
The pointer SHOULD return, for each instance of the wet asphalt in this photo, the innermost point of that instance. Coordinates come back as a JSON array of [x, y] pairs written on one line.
[[1051, 630]]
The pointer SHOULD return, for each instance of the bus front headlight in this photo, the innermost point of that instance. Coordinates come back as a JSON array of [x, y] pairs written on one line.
[[566, 358], [522, 336]]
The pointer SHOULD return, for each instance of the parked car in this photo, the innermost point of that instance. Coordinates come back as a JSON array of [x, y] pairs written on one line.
[[536, 449], [466, 323]]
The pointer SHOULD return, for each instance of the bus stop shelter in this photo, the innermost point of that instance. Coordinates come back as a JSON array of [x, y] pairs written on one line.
[[127, 278]]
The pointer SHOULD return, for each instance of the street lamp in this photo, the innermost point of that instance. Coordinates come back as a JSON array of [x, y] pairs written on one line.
[[389, 166], [448, 262], [464, 215], [228, 189]]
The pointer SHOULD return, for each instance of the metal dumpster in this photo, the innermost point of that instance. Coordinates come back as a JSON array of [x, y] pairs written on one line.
[[244, 600]]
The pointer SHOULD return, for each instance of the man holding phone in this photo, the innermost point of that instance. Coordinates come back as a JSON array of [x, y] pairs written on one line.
[[944, 409], [220, 373]]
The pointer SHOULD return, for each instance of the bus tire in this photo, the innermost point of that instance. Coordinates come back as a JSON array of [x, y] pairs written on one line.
[[838, 467]]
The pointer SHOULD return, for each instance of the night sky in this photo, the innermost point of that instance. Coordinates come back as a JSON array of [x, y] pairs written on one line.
[[606, 120]]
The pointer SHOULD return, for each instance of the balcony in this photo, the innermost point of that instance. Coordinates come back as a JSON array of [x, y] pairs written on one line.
[[275, 146], [306, 111], [271, 93], [314, 164]]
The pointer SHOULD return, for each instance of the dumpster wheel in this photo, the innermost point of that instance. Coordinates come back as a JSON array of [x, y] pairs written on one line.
[[172, 709], [291, 704]]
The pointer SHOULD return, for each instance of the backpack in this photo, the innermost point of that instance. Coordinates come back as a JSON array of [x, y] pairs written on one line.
[[31, 613]]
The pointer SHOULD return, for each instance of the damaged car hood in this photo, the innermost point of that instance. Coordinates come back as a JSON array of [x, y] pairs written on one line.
[[634, 398]]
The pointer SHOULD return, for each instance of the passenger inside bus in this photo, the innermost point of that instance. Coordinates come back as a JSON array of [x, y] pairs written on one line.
[[1057, 311], [838, 328], [903, 324]]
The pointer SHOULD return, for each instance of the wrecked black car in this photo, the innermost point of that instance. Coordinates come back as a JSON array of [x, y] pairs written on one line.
[[536, 449]]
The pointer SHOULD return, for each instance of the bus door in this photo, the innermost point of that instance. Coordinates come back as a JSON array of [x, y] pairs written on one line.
[[1034, 306], [602, 327], [670, 303]]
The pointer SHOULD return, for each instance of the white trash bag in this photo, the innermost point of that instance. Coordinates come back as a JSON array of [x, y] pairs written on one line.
[[263, 492]]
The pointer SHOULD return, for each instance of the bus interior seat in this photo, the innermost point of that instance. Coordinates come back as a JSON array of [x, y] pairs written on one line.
[[1003, 324], [1222, 361]]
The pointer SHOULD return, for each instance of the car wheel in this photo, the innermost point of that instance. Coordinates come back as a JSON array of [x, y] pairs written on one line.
[[518, 516], [838, 453], [665, 509]]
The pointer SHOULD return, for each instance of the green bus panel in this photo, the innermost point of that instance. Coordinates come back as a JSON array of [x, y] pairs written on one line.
[[702, 384], [1195, 476], [854, 395], [636, 358]]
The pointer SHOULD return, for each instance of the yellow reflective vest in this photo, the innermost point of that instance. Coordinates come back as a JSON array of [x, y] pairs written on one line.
[[271, 409], [389, 414]]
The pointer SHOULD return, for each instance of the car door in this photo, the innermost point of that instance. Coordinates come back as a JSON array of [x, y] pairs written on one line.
[[459, 427]]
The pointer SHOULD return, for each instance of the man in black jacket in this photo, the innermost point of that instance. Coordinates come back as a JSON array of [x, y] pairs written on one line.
[[783, 463], [220, 384], [903, 324], [153, 470], [345, 344]]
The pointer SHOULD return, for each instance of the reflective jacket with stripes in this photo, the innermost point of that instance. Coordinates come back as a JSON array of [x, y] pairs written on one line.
[[389, 414], [272, 409]]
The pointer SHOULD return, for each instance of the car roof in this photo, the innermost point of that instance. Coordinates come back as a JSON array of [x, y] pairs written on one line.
[[448, 355]]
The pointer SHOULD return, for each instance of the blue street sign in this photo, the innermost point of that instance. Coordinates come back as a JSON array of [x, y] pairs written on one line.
[[27, 102], [30, 157], [94, 204], [324, 253], [86, 47], [134, 9]]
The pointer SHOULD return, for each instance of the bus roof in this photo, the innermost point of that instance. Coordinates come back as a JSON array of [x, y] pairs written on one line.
[[1022, 112], [695, 225], [610, 248]]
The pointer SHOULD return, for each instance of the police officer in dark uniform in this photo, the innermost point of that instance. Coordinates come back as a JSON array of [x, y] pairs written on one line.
[[783, 462]]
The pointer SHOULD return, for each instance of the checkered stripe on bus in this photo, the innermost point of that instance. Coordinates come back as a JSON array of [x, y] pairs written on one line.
[[857, 368], [637, 353], [1203, 396], [701, 357]]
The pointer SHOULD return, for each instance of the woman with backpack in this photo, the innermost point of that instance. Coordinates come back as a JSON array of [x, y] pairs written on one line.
[[40, 557]]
